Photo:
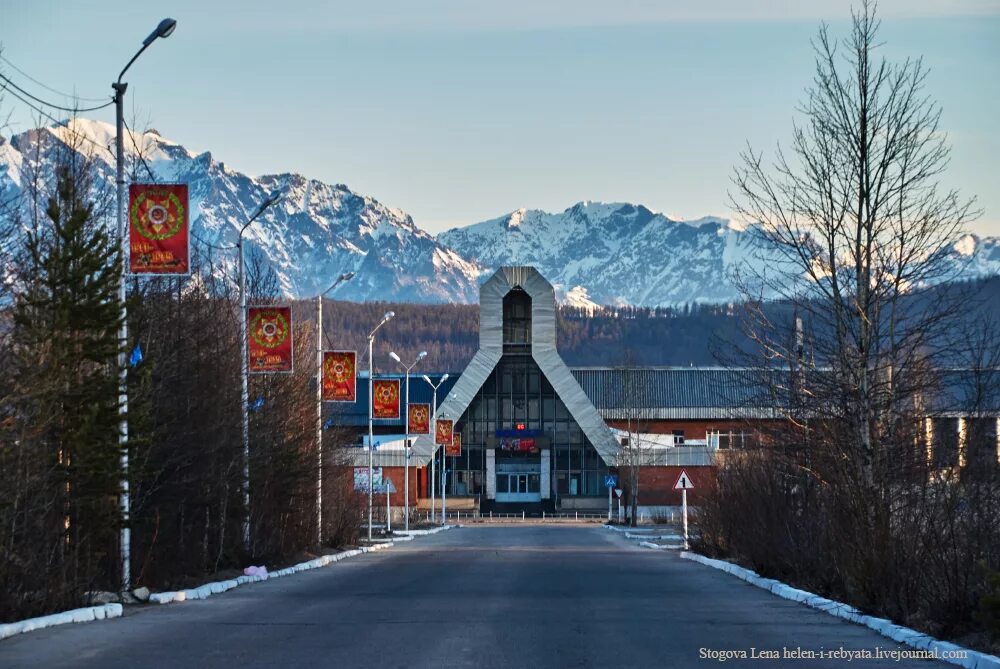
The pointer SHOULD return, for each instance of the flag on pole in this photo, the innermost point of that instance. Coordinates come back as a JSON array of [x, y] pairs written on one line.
[[455, 447], [340, 376], [420, 419], [385, 398], [136, 356], [270, 339], [442, 434], [158, 231]]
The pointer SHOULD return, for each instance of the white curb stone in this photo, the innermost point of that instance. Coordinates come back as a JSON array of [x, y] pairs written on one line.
[[83, 615], [899, 634]]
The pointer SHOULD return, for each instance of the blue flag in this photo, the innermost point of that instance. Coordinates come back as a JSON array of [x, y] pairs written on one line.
[[258, 404], [136, 356], [328, 424]]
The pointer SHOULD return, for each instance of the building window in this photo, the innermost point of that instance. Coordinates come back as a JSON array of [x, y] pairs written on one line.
[[516, 317], [678, 437]]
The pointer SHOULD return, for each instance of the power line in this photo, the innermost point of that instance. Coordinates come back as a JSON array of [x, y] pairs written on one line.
[[49, 104], [48, 88], [58, 122]]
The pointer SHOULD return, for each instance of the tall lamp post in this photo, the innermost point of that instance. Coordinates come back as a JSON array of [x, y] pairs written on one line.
[[245, 370], [164, 29], [434, 428], [406, 441], [371, 430], [319, 404]]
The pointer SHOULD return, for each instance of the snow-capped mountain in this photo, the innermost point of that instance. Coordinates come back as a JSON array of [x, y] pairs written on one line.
[[315, 233], [594, 253], [620, 253]]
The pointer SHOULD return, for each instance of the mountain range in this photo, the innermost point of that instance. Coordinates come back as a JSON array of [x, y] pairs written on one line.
[[594, 253]]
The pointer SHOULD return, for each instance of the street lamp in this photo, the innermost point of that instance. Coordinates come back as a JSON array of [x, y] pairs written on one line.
[[164, 29], [244, 368], [434, 437], [319, 404], [371, 431], [406, 441]]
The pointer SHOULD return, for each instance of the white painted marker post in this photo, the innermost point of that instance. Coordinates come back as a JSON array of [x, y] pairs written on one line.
[[684, 484]]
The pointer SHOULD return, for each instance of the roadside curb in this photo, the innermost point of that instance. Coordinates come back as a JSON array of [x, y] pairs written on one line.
[[218, 587], [885, 627], [107, 611], [423, 533], [83, 615]]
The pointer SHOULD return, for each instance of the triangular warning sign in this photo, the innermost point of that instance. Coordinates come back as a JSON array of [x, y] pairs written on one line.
[[683, 482]]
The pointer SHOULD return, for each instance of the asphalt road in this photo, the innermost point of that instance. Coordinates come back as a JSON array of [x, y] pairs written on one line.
[[510, 596]]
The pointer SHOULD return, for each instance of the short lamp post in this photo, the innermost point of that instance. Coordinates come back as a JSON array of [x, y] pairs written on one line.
[[434, 429], [371, 429], [164, 29], [245, 367], [319, 404], [406, 441]]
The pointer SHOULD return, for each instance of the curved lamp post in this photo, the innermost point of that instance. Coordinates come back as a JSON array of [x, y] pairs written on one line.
[[244, 367], [164, 29], [319, 404], [371, 436], [406, 441]]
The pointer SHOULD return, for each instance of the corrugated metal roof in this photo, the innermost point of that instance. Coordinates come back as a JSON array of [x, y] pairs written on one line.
[[674, 392]]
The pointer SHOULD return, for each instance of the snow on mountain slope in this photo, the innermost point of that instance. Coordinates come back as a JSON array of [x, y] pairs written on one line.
[[621, 253], [316, 232], [594, 253]]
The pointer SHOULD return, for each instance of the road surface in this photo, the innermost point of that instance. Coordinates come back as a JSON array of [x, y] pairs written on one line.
[[509, 596]]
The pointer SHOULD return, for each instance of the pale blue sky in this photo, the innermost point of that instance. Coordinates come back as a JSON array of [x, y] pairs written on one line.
[[458, 111]]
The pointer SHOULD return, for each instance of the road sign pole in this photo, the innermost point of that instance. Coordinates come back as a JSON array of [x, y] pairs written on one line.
[[684, 508], [609, 504]]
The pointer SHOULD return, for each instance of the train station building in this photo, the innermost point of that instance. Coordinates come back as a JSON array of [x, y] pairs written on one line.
[[537, 436]]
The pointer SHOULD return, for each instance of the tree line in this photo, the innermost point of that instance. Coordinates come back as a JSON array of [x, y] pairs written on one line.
[[60, 457]]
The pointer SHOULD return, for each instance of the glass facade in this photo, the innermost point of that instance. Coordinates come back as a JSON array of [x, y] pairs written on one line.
[[518, 394]]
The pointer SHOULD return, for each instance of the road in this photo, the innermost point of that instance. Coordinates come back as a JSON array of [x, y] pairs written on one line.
[[511, 596]]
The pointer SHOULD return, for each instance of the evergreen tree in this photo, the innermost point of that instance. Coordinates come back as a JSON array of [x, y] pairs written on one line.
[[65, 342]]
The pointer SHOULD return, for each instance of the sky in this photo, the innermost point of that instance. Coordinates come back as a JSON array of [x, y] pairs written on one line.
[[458, 111]]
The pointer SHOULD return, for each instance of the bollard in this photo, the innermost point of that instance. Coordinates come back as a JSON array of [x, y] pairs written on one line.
[[577, 516], [522, 515], [491, 514]]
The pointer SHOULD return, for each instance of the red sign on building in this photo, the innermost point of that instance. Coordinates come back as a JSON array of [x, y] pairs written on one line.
[[269, 331], [340, 380], [385, 398], [158, 237]]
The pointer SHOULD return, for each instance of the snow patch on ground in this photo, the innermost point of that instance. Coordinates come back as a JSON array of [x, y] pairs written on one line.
[[899, 634]]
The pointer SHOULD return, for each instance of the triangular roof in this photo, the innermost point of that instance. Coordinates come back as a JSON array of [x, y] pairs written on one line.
[[543, 352]]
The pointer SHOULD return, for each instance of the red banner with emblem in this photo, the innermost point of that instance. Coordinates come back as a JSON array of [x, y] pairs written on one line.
[[420, 419], [340, 378], [158, 229], [443, 430], [455, 447], [269, 331], [385, 398]]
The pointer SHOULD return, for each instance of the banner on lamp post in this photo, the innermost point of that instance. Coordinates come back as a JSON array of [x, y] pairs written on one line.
[[385, 398], [455, 447], [443, 431], [420, 419], [158, 231], [269, 332], [340, 376]]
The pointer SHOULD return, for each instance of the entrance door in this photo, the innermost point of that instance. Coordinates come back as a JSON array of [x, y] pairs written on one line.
[[519, 482]]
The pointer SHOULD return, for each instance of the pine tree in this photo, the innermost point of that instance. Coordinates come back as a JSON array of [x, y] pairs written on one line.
[[65, 336]]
